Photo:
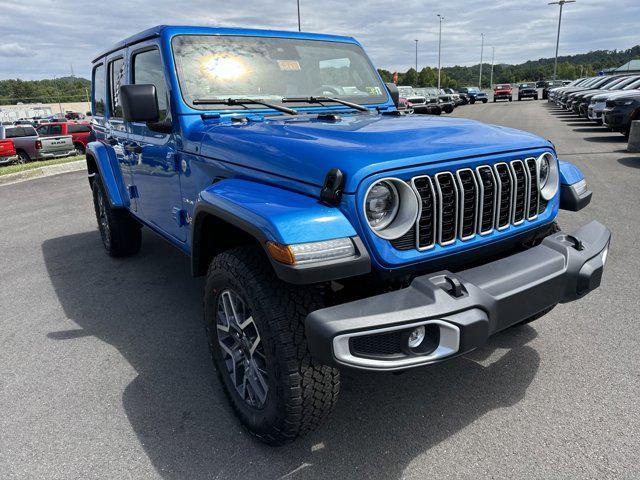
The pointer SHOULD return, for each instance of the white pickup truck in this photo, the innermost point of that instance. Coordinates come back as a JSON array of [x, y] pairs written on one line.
[[30, 146]]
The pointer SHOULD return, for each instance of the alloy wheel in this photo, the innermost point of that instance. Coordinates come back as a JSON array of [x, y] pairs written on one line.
[[102, 218], [242, 349]]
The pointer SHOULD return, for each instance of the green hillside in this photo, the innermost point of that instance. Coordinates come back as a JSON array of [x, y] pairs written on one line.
[[569, 67]]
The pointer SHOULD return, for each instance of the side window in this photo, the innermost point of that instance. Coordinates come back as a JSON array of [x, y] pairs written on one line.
[[29, 132], [116, 74], [43, 130], [98, 90], [79, 128], [56, 130], [11, 133], [147, 69]]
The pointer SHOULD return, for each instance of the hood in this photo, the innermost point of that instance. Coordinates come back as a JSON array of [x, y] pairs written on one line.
[[305, 148], [616, 94]]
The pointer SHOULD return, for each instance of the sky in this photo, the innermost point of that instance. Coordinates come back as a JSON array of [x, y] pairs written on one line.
[[46, 38]]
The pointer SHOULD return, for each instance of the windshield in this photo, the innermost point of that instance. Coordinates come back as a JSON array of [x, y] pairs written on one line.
[[527, 85], [503, 87], [221, 67], [472, 89], [633, 85]]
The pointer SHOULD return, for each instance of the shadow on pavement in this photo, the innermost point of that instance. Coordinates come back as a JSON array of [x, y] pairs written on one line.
[[149, 309], [633, 162], [591, 129], [608, 138]]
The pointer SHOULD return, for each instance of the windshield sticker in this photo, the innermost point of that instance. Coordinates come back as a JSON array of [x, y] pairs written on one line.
[[374, 91], [289, 65]]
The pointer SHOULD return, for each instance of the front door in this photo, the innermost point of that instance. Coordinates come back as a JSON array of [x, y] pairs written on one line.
[[156, 172], [115, 128]]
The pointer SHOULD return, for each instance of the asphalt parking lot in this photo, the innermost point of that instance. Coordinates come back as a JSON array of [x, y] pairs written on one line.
[[104, 371]]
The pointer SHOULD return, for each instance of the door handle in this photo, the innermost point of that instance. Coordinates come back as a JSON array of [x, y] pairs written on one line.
[[133, 148], [112, 140]]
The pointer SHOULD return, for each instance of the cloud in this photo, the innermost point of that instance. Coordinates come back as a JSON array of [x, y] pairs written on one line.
[[15, 50], [69, 33]]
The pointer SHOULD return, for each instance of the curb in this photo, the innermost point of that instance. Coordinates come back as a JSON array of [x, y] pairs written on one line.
[[40, 172]]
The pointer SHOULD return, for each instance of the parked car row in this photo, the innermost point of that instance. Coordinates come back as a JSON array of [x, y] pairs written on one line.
[[612, 101], [434, 101], [25, 143]]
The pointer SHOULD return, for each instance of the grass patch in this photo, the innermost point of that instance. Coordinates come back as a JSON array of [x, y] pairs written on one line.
[[31, 165]]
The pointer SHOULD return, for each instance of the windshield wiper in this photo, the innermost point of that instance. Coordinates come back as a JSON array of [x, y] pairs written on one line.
[[325, 99], [243, 102]]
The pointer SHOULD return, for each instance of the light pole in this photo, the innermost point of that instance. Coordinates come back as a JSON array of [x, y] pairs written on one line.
[[299, 27], [416, 55], [493, 54], [561, 3], [481, 56], [440, 49]]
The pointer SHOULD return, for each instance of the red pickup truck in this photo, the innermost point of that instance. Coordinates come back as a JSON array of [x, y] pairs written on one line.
[[503, 91], [7, 152], [79, 131]]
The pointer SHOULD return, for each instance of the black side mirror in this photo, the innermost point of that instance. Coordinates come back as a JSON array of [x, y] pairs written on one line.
[[394, 92], [139, 103]]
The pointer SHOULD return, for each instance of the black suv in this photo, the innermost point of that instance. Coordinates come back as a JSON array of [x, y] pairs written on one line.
[[527, 90], [620, 112]]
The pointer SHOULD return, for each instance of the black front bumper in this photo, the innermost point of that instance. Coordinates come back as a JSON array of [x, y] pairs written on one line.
[[472, 304]]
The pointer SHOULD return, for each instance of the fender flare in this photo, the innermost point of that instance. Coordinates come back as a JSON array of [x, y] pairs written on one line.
[[574, 194], [569, 173], [269, 213], [109, 171]]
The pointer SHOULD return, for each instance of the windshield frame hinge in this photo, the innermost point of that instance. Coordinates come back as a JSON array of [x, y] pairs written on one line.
[[331, 193]]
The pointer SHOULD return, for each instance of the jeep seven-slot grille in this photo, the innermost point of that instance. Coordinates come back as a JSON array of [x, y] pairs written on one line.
[[503, 213], [487, 183], [466, 203], [534, 195]]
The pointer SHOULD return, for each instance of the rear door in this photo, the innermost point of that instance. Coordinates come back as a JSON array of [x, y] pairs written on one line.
[[156, 172]]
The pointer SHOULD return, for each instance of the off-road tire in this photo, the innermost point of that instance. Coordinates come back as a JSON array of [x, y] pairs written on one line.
[[472, 101], [484, 100], [122, 236], [301, 392]]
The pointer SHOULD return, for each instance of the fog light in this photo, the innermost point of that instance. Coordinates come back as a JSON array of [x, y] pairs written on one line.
[[416, 337]]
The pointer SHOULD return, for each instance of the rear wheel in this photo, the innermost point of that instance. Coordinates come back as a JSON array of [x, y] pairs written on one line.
[[255, 329], [120, 233], [23, 157]]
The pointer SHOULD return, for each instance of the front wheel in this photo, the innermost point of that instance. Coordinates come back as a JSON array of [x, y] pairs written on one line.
[[484, 100], [472, 101], [120, 233], [255, 329]]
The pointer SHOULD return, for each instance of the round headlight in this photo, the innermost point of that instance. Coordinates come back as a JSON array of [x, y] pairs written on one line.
[[543, 174], [382, 205], [391, 208], [548, 176]]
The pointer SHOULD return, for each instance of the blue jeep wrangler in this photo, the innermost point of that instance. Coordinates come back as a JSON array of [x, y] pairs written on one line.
[[474, 94], [333, 231]]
